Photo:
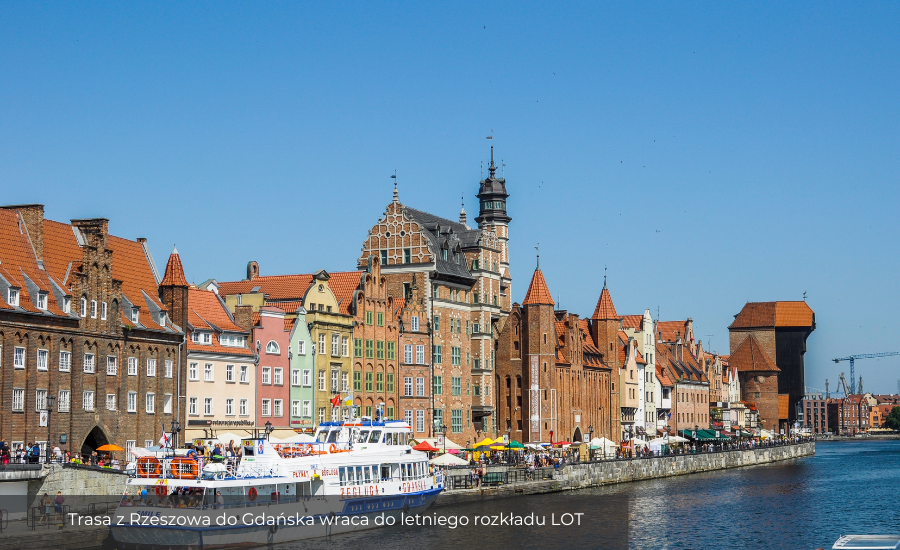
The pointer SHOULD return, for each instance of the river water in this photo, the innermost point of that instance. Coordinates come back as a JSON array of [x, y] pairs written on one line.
[[807, 503]]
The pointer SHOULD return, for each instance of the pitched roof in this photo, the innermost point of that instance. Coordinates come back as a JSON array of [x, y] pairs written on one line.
[[538, 293], [774, 314], [287, 291], [605, 308], [750, 357], [207, 311], [174, 275], [668, 331], [632, 321]]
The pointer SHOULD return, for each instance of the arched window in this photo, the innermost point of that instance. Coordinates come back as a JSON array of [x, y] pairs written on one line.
[[272, 347]]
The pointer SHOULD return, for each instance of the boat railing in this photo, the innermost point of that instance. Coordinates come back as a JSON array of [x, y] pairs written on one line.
[[184, 468], [303, 499]]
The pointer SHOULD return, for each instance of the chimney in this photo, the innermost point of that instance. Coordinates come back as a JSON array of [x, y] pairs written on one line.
[[94, 230], [243, 317], [33, 216]]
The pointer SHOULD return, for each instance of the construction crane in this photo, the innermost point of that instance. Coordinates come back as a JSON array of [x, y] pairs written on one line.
[[853, 358], [842, 384]]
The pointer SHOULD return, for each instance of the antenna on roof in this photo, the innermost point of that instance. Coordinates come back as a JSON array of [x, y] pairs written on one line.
[[604, 276], [538, 248], [804, 295]]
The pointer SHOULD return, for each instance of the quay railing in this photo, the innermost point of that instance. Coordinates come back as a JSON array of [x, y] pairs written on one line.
[[460, 477]]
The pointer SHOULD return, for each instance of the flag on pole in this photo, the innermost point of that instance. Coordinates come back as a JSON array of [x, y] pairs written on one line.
[[165, 440], [336, 401], [348, 402]]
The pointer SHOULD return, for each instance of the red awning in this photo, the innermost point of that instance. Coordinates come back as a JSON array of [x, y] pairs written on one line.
[[425, 446]]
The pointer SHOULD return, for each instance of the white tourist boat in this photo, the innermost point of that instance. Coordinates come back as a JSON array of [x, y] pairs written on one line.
[[357, 475]]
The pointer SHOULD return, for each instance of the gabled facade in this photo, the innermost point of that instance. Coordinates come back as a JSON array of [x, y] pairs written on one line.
[[464, 272], [78, 307], [273, 388], [303, 372], [690, 398], [422, 385], [640, 328]]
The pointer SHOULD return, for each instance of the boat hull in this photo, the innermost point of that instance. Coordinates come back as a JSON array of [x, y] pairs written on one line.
[[303, 519]]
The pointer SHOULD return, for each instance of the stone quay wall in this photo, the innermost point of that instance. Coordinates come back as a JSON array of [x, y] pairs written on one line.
[[593, 474]]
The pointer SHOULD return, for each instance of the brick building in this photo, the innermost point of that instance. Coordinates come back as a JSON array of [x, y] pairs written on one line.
[[551, 380], [690, 394], [814, 413], [780, 331], [375, 336], [848, 415], [81, 321], [464, 272], [421, 391]]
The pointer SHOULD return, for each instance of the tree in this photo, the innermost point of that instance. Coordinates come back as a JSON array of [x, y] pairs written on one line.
[[892, 420]]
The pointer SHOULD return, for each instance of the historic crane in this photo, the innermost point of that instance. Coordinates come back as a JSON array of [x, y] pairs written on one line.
[[853, 358]]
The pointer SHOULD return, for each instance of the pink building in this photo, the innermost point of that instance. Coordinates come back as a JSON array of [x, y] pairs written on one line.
[[271, 339]]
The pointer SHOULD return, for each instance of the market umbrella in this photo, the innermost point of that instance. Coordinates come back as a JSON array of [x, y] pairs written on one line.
[[110, 447], [516, 445], [447, 459], [425, 446]]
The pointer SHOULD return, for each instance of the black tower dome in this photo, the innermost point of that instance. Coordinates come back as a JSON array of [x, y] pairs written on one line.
[[492, 198]]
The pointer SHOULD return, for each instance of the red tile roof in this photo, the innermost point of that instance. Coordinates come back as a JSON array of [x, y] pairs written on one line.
[[287, 307], [206, 311], [343, 284], [605, 308], [633, 321], [17, 258], [174, 275], [774, 314], [663, 377], [668, 331], [538, 293], [283, 290], [750, 357]]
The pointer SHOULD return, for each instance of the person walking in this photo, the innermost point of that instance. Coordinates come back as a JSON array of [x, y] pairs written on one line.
[[58, 506]]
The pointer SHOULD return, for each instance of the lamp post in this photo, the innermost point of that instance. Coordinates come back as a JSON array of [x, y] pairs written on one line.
[[51, 400], [444, 434], [176, 429]]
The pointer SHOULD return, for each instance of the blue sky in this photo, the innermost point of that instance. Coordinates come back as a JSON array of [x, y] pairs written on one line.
[[706, 153]]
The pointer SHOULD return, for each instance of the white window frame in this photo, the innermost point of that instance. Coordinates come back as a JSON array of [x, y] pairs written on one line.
[[295, 378], [40, 400], [229, 374], [345, 381], [43, 360], [151, 367], [19, 355], [194, 372], [67, 304], [90, 365], [278, 376], [322, 380], [65, 361], [407, 386], [301, 347], [135, 314], [307, 408], [420, 355], [83, 311], [103, 311], [307, 378], [63, 401], [345, 346], [335, 344], [150, 403], [167, 403], [420, 387], [229, 406], [193, 403], [208, 406], [112, 365], [295, 408], [265, 376], [12, 297], [321, 343], [132, 402], [242, 407], [420, 420], [265, 407], [169, 368], [132, 366], [209, 372], [414, 323], [18, 399], [110, 401], [244, 375], [93, 309], [272, 348], [408, 354], [87, 400], [278, 408], [42, 300]]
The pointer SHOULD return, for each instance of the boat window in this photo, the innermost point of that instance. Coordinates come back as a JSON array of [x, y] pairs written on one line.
[[375, 437], [249, 450], [343, 472], [322, 436], [351, 476], [368, 474], [363, 436], [385, 472], [333, 436]]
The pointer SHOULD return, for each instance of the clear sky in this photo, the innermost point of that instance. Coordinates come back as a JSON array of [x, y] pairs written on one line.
[[706, 153]]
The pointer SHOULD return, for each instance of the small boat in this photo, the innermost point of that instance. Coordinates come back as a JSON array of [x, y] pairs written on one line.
[[357, 474], [868, 542]]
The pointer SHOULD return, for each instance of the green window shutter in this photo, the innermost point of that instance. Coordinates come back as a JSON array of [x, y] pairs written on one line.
[[438, 383], [370, 349], [357, 381], [437, 323], [379, 382], [390, 383], [368, 381], [380, 318], [357, 347], [380, 349], [368, 317], [391, 352]]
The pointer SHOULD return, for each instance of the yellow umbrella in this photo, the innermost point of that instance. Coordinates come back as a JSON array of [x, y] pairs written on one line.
[[110, 447]]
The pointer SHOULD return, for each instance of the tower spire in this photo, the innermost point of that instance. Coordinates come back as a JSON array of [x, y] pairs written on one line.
[[396, 194], [493, 168], [538, 248], [462, 211]]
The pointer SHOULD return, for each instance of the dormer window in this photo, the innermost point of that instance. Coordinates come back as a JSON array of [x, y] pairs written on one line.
[[67, 304], [445, 253], [42, 300], [162, 318], [200, 337], [13, 297], [135, 314]]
